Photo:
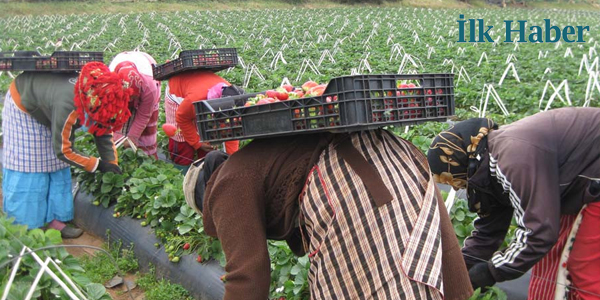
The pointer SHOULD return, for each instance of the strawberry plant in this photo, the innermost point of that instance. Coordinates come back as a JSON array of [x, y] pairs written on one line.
[[336, 42], [289, 276], [12, 240]]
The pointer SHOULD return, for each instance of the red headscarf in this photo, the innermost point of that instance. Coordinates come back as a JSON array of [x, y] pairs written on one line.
[[130, 73], [104, 97]]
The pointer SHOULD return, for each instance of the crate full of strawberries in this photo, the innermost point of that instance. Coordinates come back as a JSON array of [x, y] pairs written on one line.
[[349, 103], [59, 61], [201, 59]]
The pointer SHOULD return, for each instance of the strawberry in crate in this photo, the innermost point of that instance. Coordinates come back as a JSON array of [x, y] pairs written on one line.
[[289, 92]]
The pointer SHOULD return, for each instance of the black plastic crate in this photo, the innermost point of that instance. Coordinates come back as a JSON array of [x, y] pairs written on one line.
[[59, 61], [350, 103], [205, 59]]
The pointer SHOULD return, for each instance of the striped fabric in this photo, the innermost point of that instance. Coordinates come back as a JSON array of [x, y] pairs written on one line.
[[27, 143], [171, 104], [544, 273], [147, 141], [519, 243], [360, 251]]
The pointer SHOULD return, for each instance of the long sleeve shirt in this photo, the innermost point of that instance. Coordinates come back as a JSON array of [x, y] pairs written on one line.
[[188, 88], [142, 126], [48, 98], [253, 196], [537, 169]]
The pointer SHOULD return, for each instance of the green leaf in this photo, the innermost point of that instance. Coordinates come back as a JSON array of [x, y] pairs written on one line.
[[95, 291], [295, 270], [183, 229], [107, 177], [460, 215], [180, 218], [72, 264], [37, 235], [53, 236], [106, 188]]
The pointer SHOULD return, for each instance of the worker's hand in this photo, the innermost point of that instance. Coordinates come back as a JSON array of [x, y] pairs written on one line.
[[481, 277], [105, 167], [206, 147], [126, 144]]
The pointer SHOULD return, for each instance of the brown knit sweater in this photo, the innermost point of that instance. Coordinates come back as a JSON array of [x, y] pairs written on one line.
[[253, 197]]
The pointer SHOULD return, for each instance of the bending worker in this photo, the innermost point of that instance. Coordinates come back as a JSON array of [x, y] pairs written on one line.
[[41, 112], [141, 128], [542, 170], [363, 206]]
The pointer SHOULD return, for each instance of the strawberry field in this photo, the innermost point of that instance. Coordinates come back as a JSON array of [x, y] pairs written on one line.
[[502, 80]]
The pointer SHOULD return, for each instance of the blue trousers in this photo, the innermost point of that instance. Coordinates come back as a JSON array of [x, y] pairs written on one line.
[[35, 199]]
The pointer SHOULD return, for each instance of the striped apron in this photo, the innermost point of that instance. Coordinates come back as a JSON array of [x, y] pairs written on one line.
[[27, 142], [359, 249], [147, 141], [172, 102]]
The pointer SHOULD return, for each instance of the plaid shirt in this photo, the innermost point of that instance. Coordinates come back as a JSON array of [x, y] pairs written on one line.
[[27, 143]]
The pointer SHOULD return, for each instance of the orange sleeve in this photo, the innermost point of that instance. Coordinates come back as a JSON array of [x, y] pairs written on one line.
[[186, 120], [63, 146], [193, 87], [232, 146]]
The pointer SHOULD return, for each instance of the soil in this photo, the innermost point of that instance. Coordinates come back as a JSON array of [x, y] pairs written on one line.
[[117, 293]]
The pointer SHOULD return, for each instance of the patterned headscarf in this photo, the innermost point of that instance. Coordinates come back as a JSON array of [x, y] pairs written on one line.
[[101, 99], [130, 73], [454, 154]]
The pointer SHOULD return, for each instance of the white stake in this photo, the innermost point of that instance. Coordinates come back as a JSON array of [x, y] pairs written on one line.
[[463, 74], [589, 90], [514, 72], [396, 50], [326, 54], [285, 81], [510, 57], [483, 104], [568, 52], [278, 57], [588, 67], [430, 51], [564, 84], [481, 58], [548, 70], [269, 51]]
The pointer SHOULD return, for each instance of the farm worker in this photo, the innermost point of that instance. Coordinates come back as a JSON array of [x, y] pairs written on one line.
[[141, 127], [363, 206], [182, 91], [41, 112], [543, 170]]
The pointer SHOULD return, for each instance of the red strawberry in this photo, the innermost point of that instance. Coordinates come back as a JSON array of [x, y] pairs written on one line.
[[169, 129], [264, 101], [186, 246], [272, 94], [282, 96], [223, 278], [288, 87], [199, 258]]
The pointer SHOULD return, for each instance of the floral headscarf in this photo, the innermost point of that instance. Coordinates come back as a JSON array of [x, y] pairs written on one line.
[[455, 154], [101, 99]]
